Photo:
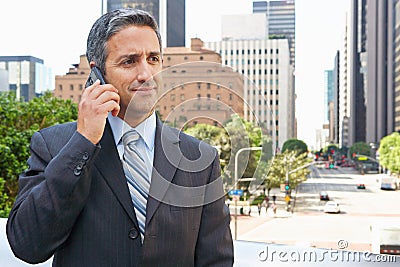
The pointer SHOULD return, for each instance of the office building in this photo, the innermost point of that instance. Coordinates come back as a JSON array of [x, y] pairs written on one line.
[[197, 88], [281, 21], [4, 84], [380, 81], [70, 85], [244, 26], [268, 80], [28, 77], [357, 76], [396, 68], [170, 16], [344, 100]]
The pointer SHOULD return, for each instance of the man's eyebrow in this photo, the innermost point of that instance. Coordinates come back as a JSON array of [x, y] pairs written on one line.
[[130, 56], [154, 53]]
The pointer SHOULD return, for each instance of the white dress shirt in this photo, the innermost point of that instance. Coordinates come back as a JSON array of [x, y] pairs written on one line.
[[145, 145]]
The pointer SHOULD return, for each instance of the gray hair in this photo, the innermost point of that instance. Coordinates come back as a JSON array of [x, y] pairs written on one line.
[[111, 23]]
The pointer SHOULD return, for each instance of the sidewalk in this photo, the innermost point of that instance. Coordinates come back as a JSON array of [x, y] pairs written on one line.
[[246, 223]]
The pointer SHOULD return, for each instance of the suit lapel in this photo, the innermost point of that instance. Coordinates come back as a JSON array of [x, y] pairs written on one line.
[[109, 165], [166, 160]]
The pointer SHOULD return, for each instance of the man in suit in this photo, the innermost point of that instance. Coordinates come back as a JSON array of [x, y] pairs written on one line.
[[75, 202]]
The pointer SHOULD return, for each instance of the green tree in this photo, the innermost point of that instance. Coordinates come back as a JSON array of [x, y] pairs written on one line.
[[236, 134], [19, 120], [360, 148], [389, 152], [294, 144], [214, 136], [286, 162]]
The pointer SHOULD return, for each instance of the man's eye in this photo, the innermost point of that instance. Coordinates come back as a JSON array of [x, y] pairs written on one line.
[[154, 59], [127, 62]]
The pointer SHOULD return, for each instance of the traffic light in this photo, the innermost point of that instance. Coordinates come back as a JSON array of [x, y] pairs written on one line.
[[287, 187]]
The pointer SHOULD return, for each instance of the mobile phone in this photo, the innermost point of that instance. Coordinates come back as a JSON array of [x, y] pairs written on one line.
[[95, 74]]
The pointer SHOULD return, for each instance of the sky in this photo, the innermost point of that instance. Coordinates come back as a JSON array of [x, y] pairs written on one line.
[[56, 31]]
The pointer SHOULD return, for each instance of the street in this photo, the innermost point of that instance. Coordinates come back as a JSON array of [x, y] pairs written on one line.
[[309, 225]]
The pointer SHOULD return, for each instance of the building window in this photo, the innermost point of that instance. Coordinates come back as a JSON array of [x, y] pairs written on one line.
[[185, 58], [168, 58], [172, 97], [198, 85], [81, 87], [71, 87], [230, 85], [201, 58], [277, 51], [208, 85], [277, 71], [218, 97], [60, 87], [172, 107], [198, 96], [182, 96], [230, 96], [208, 96]]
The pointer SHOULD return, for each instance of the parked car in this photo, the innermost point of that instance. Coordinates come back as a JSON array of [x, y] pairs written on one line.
[[332, 207], [323, 195]]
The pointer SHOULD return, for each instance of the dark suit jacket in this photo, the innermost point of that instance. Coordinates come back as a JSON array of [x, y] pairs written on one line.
[[74, 203]]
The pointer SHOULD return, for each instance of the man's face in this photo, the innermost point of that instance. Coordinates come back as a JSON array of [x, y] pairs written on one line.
[[132, 63]]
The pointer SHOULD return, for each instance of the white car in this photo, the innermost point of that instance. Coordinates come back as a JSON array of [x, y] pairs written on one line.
[[332, 207]]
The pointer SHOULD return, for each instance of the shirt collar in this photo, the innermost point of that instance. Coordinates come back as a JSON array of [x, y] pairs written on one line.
[[146, 129]]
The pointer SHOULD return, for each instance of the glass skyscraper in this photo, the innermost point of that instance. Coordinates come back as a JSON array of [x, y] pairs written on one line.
[[170, 16], [27, 76]]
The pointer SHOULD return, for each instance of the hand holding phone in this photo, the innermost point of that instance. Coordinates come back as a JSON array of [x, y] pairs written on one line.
[[95, 74], [96, 102]]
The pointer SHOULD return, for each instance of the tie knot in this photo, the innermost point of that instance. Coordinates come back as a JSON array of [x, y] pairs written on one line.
[[130, 138]]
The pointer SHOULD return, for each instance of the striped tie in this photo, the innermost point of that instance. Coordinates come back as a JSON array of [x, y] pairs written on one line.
[[136, 175]]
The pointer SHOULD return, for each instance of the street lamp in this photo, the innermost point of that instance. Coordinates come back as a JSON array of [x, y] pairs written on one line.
[[236, 178], [287, 178]]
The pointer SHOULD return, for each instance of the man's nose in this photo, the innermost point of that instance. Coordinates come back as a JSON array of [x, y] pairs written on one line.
[[144, 72]]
